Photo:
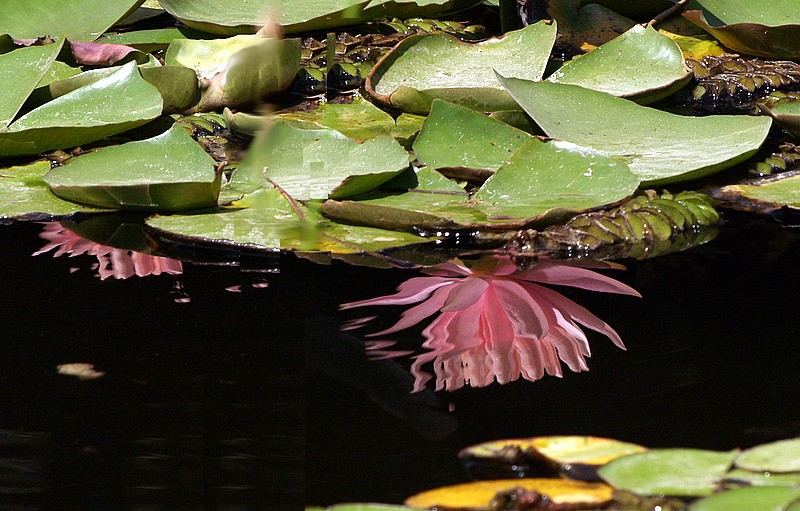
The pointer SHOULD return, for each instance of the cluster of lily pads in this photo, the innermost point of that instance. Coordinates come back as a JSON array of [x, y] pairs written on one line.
[[342, 178], [601, 473]]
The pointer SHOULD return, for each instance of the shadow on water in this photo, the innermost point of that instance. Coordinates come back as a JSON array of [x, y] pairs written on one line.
[[256, 399]]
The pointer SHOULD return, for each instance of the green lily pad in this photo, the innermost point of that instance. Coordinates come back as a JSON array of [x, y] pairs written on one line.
[[524, 192], [153, 39], [659, 147], [415, 8], [317, 164], [111, 105], [82, 20], [367, 507], [767, 28], [439, 66], [793, 506], [786, 114], [167, 172], [243, 16], [763, 478], [764, 195], [640, 64], [767, 498], [678, 472], [238, 70], [23, 68], [267, 219], [25, 196], [359, 120], [642, 10], [454, 136], [780, 456]]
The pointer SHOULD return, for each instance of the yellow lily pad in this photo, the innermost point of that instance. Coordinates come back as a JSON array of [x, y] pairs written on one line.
[[478, 495]]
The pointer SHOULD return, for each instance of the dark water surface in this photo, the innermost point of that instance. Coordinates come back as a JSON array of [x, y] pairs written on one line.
[[255, 399]]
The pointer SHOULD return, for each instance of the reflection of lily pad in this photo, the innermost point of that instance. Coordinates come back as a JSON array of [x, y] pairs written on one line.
[[440, 66], [659, 147], [679, 472], [25, 196], [748, 499], [780, 456], [167, 172], [478, 495], [768, 28], [640, 64], [116, 103]]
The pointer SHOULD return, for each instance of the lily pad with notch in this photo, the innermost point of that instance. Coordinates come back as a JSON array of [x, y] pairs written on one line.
[[422, 68]]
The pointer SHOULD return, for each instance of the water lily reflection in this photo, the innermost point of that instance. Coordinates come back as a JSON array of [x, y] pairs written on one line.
[[113, 262], [497, 322]]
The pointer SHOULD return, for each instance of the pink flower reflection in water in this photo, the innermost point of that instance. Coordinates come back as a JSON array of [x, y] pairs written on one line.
[[497, 321], [113, 262]]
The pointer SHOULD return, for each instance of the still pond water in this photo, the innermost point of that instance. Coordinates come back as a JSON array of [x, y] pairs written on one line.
[[232, 387]]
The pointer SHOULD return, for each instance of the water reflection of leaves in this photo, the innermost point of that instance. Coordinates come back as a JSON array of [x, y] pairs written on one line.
[[113, 262], [495, 320]]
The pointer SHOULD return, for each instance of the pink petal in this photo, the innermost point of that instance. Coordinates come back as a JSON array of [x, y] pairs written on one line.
[[577, 312], [419, 312], [576, 277], [411, 291], [464, 294], [99, 54], [525, 314], [448, 269]]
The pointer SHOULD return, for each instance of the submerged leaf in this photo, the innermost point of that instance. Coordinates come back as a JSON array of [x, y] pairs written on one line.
[[168, 172], [440, 66], [25, 196], [659, 147]]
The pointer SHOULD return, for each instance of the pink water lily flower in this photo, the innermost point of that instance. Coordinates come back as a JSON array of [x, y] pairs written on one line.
[[497, 322], [112, 262]]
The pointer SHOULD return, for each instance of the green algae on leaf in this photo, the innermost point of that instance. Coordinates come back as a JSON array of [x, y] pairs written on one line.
[[119, 102], [767, 28], [23, 69], [82, 20], [640, 64], [659, 147], [168, 172], [439, 66], [676, 472], [25, 196], [238, 70], [454, 136]]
